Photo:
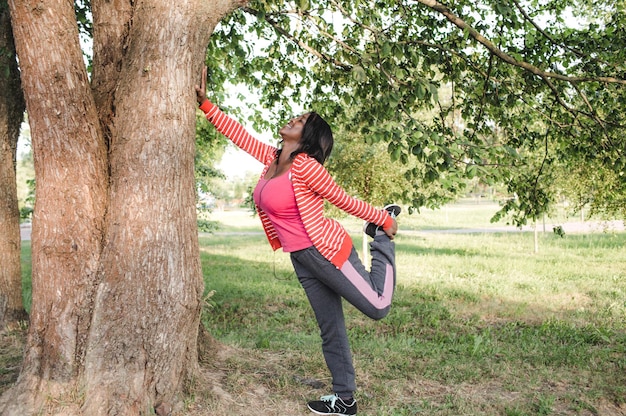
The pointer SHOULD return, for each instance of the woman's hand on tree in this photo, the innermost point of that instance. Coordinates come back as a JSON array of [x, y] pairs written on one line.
[[201, 89]]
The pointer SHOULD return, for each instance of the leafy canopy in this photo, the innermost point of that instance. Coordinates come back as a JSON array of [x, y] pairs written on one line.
[[510, 92]]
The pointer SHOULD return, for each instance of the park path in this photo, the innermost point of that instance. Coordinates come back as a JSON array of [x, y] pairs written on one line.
[[568, 227]]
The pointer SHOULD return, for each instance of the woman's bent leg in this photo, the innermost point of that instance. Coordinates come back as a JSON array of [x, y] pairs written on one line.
[[353, 282], [371, 292], [383, 252]]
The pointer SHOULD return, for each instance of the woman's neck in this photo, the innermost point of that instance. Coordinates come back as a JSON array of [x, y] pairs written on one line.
[[287, 150], [282, 163]]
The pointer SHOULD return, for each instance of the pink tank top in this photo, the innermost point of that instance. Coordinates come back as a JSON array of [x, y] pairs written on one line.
[[276, 198]]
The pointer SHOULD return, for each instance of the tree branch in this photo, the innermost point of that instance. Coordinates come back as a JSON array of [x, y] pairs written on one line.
[[544, 33], [298, 42], [460, 23]]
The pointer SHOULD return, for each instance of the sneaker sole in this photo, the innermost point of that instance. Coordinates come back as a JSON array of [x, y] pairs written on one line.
[[372, 232], [330, 414], [393, 209]]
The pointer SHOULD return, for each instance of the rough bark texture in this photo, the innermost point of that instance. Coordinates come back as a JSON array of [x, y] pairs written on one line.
[[70, 170], [117, 284], [151, 241], [11, 114], [111, 26]]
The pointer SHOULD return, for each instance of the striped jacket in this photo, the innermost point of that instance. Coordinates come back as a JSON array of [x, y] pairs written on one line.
[[311, 184]]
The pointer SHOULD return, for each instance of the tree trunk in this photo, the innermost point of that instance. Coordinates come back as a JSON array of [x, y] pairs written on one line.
[[68, 221], [11, 115], [117, 284], [139, 337]]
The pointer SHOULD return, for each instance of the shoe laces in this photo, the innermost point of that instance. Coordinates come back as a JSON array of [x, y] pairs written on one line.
[[391, 212], [332, 398]]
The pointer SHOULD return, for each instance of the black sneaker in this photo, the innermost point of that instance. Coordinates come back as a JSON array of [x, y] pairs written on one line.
[[373, 230], [333, 405]]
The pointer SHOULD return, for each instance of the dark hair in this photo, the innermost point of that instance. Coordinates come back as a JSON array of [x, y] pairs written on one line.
[[317, 139]]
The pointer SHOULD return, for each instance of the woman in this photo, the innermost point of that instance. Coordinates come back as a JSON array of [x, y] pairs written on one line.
[[289, 198]]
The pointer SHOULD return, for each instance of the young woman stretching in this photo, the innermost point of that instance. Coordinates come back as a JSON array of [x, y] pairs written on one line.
[[289, 198]]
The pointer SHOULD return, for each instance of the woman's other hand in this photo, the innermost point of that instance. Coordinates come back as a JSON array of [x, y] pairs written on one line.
[[391, 231]]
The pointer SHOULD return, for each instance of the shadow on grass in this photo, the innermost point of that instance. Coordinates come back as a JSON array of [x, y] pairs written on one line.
[[422, 247], [423, 334], [434, 338]]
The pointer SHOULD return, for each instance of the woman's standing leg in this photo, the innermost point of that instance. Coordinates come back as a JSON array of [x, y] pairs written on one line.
[[327, 306], [325, 285]]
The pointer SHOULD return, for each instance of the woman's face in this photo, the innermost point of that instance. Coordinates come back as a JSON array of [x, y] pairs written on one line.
[[292, 131]]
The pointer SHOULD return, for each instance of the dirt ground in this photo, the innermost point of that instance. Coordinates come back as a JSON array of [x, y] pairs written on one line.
[[490, 397], [235, 382]]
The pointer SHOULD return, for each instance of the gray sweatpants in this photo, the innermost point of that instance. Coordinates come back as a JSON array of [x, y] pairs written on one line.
[[370, 292]]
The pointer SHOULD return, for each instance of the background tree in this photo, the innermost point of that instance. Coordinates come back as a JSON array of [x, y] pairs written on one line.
[[454, 86], [596, 192], [210, 147], [11, 114]]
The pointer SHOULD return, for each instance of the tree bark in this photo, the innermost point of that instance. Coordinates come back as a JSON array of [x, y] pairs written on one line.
[[11, 115], [139, 337], [71, 193], [117, 284]]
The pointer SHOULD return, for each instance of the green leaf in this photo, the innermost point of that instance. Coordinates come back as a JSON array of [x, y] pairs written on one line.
[[358, 73], [304, 5]]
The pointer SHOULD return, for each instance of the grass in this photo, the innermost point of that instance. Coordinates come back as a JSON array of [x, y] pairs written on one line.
[[481, 325]]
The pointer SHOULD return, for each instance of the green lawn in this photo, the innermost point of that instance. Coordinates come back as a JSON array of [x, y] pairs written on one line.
[[481, 325]]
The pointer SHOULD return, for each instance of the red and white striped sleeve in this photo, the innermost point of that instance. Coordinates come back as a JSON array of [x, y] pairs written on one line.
[[319, 181], [234, 131]]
